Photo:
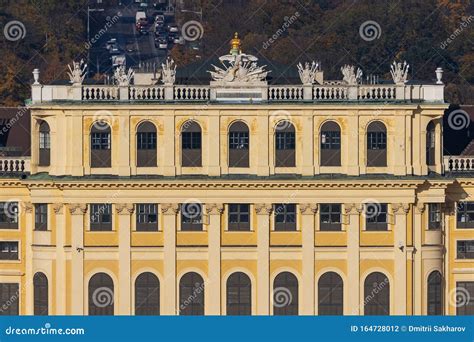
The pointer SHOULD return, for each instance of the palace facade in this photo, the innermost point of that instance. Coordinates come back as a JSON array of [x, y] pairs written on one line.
[[237, 198]]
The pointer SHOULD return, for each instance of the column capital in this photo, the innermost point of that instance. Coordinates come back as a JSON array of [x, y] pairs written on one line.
[[214, 208], [400, 208], [308, 208], [77, 208], [353, 208], [58, 208], [169, 208], [420, 207], [263, 208], [124, 208], [28, 207]]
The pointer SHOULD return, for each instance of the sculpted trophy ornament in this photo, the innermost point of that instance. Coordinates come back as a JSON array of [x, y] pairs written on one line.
[[399, 72], [350, 76], [123, 77], [238, 68], [308, 72], [77, 73], [168, 72]]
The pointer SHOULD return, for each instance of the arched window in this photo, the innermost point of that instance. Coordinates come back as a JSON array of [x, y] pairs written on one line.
[[44, 144], [191, 295], [101, 295], [330, 144], [285, 155], [238, 145], [435, 294], [239, 295], [330, 294], [376, 144], [285, 294], [147, 294], [40, 285], [430, 144], [191, 141], [101, 145], [146, 145], [376, 294]]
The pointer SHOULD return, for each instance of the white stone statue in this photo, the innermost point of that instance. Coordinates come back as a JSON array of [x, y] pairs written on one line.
[[350, 76], [399, 72], [78, 72], [122, 77], [168, 72], [308, 72], [239, 68]]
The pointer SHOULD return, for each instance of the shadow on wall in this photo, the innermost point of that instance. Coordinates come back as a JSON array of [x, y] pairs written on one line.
[[15, 139]]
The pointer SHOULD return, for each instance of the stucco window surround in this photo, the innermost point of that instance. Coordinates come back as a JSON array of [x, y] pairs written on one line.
[[19, 248]]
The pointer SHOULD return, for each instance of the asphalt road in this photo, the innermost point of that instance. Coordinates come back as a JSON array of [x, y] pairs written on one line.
[[119, 22]]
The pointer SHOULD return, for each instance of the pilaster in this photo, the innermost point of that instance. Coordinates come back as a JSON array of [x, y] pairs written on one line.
[[214, 266], [263, 212], [124, 212], [308, 211], [169, 211]]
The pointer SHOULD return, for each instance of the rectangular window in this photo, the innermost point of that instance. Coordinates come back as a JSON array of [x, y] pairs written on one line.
[[101, 217], [191, 217], [285, 140], [239, 140], [100, 141], [8, 250], [376, 216], [41, 217], [331, 140], [376, 140], [285, 217], [9, 299], [330, 217], [434, 212], [8, 215], [146, 141], [147, 217], [239, 217], [465, 249], [466, 292], [465, 215], [191, 140], [44, 140]]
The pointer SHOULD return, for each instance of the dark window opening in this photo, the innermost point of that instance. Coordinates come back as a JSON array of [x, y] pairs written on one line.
[[435, 294], [239, 217], [101, 145], [8, 215], [101, 217], [44, 144], [147, 217], [191, 295], [465, 215], [101, 295], [8, 250], [465, 249], [9, 299], [285, 295], [285, 217], [330, 217], [238, 145], [147, 295], [191, 141], [376, 294], [330, 144], [376, 216], [376, 144], [330, 294], [40, 285], [191, 217], [434, 212], [41, 217], [146, 145], [285, 140], [239, 295]]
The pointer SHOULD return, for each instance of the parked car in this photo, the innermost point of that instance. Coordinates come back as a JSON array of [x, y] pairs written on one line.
[[110, 43], [161, 44], [173, 28]]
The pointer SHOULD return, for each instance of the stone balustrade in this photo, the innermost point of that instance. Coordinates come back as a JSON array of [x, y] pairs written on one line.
[[458, 164], [14, 165], [270, 94]]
